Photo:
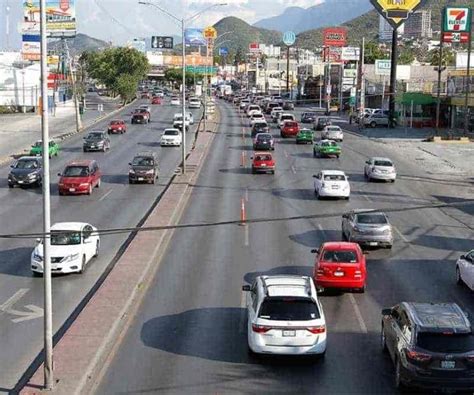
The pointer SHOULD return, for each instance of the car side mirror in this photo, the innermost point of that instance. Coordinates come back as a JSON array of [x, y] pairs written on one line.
[[386, 311], [315, 251], [12, 166], [59, 174], [246, 288], [345, 216], [38, 240], [315, 176], [462, 257]]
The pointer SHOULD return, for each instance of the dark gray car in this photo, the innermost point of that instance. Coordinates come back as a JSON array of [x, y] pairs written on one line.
[[367, 227], [143, 168], [26, 171], [96, 141]]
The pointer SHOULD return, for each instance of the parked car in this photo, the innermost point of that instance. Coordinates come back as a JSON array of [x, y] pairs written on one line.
[[79, 177], [326, 148], [332, 133], [431, 346], [263, 162], [340, 265], [289, 129], [72, 246], [26, 171], [37, 148], [375, 120], [143, 168], [259, 127], [331, 183], [367, 227], [285, 316], [321, 122], [96, 141], [378, 168], [263, 142], [117, 126], [465, 270], [305, 136], [171, 137], [308, 117]]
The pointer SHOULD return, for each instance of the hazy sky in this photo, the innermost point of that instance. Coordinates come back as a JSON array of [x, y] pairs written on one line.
[[122, 20]]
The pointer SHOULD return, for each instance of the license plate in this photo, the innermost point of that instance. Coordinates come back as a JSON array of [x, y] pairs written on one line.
[[373, 243], [448, 364], [72, 189], [335, 187], [288, 333], [263, 165], [140, 178], [338, 274], [20, 182]]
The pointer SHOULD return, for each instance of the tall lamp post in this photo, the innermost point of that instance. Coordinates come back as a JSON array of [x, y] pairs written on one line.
[[183, 22]]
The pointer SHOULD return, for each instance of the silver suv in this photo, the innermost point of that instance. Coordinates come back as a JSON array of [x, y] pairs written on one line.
[[367, 227], [375, 120]]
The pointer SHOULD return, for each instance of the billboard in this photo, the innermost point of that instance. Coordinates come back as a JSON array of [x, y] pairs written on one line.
[[60, 18], [254, 47], [456, 19], [350, 53], [396, 11], [210, 33], [194, 37], [161, 42], [335, 37], [31, 47]]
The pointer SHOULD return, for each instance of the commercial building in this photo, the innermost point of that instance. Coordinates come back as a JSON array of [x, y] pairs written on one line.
[[385, 30], [418, 25]]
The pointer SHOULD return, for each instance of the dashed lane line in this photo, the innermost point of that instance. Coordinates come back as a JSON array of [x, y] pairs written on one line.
[[358, 314]]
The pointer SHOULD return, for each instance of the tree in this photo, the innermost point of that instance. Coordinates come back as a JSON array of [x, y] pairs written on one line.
[[372, 52], [406, 56], [126, 87], [447, 59]]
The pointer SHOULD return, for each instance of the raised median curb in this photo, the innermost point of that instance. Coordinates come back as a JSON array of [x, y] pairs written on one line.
[[440, 140], [83, 352], [71, 132]]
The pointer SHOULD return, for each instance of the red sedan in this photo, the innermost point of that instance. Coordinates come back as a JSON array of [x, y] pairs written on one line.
[[156, 100], [117, 126], [263, 162], [290, 129], [341, 266]]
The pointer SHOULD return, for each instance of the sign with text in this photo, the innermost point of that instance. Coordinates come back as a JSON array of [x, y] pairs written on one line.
[[350, 53], [383, 66], [396, 11], [455, 37], [335, 37], [254, 47], [161, 42], [31, 47], [456, 19], [60, 17]]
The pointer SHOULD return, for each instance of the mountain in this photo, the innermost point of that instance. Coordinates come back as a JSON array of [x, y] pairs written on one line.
[[324, 13], [241, 34], [80, 43], [367, 25]]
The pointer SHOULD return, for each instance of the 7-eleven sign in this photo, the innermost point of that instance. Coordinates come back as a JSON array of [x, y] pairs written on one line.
[[457, 19]]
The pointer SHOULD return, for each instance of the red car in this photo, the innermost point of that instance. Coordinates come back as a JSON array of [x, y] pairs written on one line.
[[156, 100], [117, 126], [79, 177], [290, 129], [263, 162], [340, 265]]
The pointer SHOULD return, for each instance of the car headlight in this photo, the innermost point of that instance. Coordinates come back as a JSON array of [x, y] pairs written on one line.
[[37, 257], [32, 175], [84, 184], [387, 231], [375, 170]]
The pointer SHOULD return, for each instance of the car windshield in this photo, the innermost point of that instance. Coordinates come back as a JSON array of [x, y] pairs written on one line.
[[386, 163], [304, 131], [76, 171], [116, 122], [263, 157], [289, 309], [333, 129], [141, 161], [287, 117], [95, 136], [63, 238], [260, 125], [371, 218], [446, 343], [38, 144], [334, 177], [26, 164], [340, 256], [171, 133], [328, 144], [309, 114]]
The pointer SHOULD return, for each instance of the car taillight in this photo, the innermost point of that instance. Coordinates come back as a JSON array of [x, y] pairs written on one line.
[[260, 328], [316, 329], [470, 358], [417, 356], [357, 273], [320, 272]]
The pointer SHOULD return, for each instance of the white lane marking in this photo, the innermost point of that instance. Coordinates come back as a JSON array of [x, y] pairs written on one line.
[[286, 153], [106, 194], [358, 314], [246, 194], [15, 298], [400, 234], [320, 227], [293, 169], [367, 198], [32, 313], [246, 236]]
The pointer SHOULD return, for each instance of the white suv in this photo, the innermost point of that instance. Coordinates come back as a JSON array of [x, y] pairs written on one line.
[[285, 316]]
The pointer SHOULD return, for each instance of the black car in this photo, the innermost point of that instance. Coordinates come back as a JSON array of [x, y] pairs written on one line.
[[308, 117], [321, 122], [139, 118], [96, 141], [263, 142], [259, 127], [288, 105], [26, 171], [430, 344], [143, 168]]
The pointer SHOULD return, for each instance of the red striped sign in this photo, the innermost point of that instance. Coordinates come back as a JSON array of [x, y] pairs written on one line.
[[449, 37]]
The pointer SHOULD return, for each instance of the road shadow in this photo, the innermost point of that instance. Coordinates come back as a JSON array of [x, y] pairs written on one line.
[[298, 194], [250, 277], [314, 238], [304, 155], [120, 179], [356, 177], [241, 147], [444, 243], [71, 149], [237, 170], [16, 261], [152, 144], [464, 205]]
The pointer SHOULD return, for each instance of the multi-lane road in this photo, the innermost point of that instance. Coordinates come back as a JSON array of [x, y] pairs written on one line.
[[116, 204], [189, 336]]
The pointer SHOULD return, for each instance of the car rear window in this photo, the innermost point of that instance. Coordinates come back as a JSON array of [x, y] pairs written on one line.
[[291, 124], [383, 163], [340, 256], [142, 161], [263, 157], [171, 132], [334, 177], [334, 129], [448, 343], [260, 124], [286, 117], [289, 309], [371, 219]]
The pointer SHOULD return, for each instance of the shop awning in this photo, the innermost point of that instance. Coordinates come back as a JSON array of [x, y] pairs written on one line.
[[417, 98]]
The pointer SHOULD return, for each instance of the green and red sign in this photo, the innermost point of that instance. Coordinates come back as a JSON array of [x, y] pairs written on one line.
[[456, 24]]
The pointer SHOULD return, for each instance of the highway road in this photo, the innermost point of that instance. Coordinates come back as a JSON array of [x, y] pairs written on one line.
[[189, 336], [115, 204]]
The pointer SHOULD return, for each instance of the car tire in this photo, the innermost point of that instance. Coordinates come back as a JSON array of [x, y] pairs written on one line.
[[373, 124], [130, 181], [98, 183], [343, 235], [459, 280], [383, 340], [314, 154], [84, 150], [389, 246], [11, 186], [89, 191], [36, 274], [361, 290], [398, 382], [83, 265], [273, 171], [97, 248], [337, 156]]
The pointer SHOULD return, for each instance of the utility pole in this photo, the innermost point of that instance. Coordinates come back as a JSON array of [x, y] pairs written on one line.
[[440, 70], [205, 88], [48, 312], [362, 77], [183, 98], [74, 90], [393, 78], [288, 70], [468, 82]]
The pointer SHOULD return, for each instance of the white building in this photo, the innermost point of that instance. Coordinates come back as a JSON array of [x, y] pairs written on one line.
[[386, 30]]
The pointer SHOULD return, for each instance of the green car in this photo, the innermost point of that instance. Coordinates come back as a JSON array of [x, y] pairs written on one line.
[[326, 148], [37, 149], [305, 136]]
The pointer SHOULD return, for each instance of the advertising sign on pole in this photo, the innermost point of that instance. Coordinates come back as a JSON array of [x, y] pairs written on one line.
[[335, 37], [396, 11], [30, 47], [289, 38], [194, 37], [61, 18], [161, 42], [456, 19], [382, 66], [210, 33], [254, 47], [350, 53], [223, 51]]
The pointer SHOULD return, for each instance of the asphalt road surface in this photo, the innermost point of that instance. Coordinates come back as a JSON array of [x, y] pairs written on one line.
[[189, 336], [115, 204]]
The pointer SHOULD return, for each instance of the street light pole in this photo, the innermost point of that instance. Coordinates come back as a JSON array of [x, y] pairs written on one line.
[[48, 317]]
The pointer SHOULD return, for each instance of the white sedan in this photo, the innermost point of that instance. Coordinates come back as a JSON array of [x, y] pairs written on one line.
[[256, 117], [332, 133], [380, 169], [73, 245], [171, 136], [465, 270], [175, 101], [331, 183]]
